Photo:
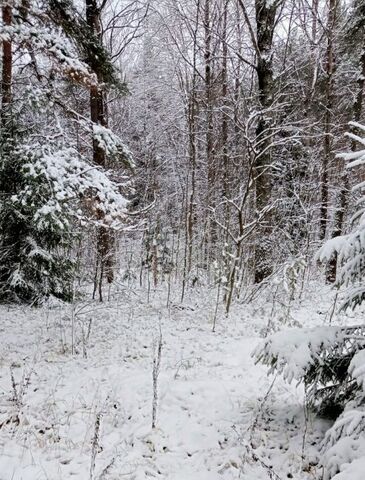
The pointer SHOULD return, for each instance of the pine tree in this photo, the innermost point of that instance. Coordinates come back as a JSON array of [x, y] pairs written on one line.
[[48, 186]]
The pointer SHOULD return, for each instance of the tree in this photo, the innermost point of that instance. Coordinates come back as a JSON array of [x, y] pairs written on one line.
[[330, 360], [329, 99], [266, 19], [48, 187], [355, 31]]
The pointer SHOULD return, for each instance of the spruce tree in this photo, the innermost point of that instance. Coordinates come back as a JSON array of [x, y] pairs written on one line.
[[330, 360], [49, 188]]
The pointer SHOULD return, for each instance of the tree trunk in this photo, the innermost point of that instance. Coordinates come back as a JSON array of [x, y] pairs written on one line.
[[314, 21], [7, 70], [98, 115], [192, 159], [330, 68], [209, 139], [265, 22], [225, 163], [192, 119]]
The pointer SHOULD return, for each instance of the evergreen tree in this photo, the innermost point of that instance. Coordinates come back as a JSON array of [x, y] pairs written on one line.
[[48, 186], [330, 361]]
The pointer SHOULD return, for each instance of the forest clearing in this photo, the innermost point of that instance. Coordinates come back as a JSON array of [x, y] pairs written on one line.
[[219, 416]]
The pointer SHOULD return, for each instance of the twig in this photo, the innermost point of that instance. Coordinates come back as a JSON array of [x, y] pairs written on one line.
[[155, 374], [263, 401], [249, 450], [95, 444]]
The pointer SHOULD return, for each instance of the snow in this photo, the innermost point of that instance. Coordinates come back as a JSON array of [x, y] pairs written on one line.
[[293, 351], [345, 445], [357, 368], [112, 144], [331, 246], [68, 177], [353, 471], [219, 416], [44, 39]]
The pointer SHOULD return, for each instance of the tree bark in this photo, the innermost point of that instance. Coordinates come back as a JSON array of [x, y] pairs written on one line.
[[7, 70], [225, 163], [265, 22], [98, 115], [208, 97], [210, 231], [327, 147]]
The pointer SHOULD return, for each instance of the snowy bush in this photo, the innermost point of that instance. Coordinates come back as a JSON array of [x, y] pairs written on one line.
[[112, 144], [294, 352], [330, 362], [344, 442]]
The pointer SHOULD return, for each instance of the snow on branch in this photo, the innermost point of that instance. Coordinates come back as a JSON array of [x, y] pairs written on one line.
[[293, 352], [344, 447], [112, 144], [357, 368], [332, 246], [42, 39], [62, 177]]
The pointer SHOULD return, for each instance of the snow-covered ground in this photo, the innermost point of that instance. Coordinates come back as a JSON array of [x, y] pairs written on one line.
[[86, 414]]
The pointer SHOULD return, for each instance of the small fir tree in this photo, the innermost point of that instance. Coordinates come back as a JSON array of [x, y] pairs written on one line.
[[330, 361]]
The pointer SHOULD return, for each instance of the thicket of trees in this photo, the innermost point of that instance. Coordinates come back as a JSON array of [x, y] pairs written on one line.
[[233, 112], [329, 359], [236, 114]]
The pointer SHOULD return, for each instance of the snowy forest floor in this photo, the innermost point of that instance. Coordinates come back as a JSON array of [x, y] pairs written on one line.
[[87, 415]]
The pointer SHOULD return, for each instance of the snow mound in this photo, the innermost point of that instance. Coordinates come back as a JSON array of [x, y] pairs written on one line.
[[344, 446]]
